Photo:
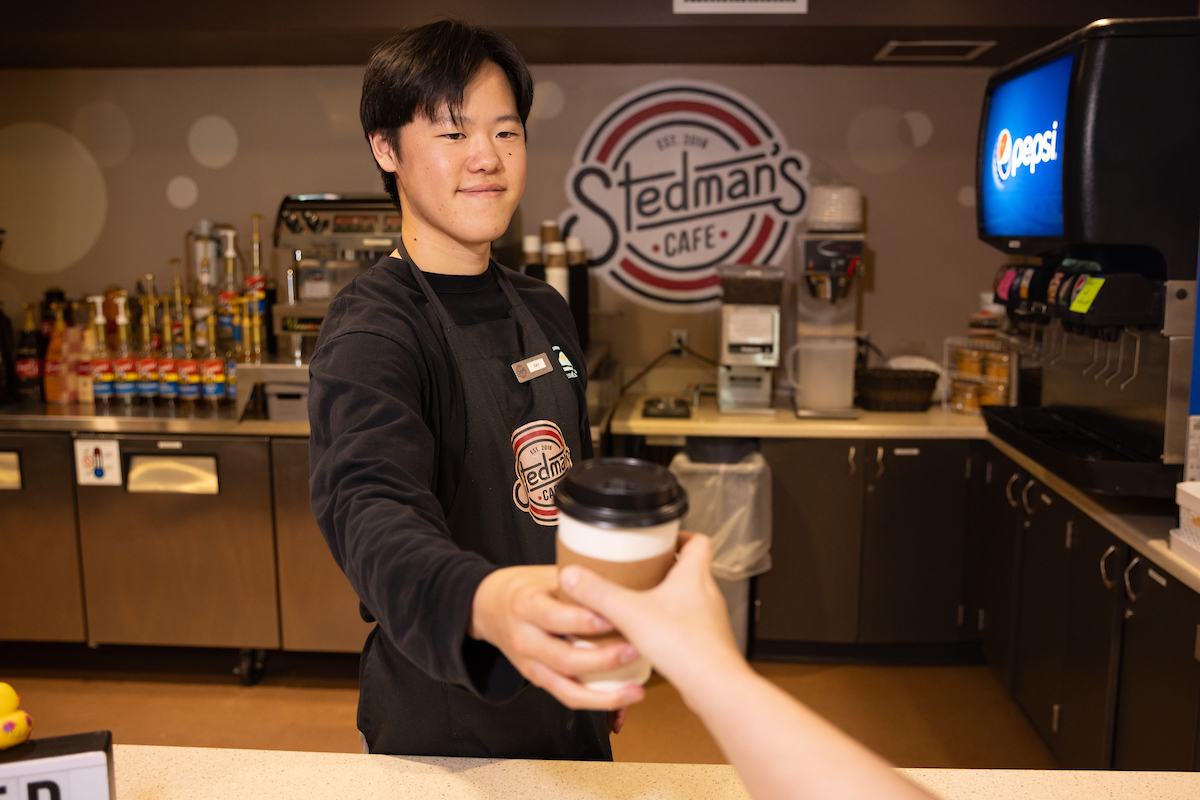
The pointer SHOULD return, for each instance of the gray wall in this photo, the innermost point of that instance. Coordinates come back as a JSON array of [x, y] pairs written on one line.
[[83, 217]]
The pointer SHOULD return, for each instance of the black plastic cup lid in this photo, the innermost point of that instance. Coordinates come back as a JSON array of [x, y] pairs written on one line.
[[621, 493]]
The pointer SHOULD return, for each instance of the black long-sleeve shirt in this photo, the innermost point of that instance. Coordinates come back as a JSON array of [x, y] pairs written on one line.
[[388, 432]]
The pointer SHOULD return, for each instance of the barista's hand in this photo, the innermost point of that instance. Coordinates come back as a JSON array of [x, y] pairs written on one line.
[[515, 609], [681, 625], [616, 720]]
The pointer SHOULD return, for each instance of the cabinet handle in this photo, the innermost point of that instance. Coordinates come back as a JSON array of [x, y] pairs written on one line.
[[1012, 501], [879, 458], [1025, 496], [850, 458], [1112, 548], [1128, 588]]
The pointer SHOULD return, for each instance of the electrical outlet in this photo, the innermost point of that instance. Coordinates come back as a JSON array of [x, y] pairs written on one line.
[[679, 338]]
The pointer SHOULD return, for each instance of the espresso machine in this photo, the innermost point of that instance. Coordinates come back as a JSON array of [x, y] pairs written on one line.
[[821, 364], [750, 314], [327, 240], [1087, 165]]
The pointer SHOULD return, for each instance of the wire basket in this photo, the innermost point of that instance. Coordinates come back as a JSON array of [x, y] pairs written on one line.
[[884, 389]]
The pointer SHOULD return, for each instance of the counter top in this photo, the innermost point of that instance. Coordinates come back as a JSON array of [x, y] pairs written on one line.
[[1142, 524], [140, 419], [184, 773], [706, 420]]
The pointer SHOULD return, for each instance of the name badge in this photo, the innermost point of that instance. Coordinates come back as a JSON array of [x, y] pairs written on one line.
[[531, 368]]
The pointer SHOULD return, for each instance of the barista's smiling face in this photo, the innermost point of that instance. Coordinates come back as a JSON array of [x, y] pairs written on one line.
[[460, 182]]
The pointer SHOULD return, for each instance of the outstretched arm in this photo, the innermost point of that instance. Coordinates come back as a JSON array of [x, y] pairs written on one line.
[[781, 749]]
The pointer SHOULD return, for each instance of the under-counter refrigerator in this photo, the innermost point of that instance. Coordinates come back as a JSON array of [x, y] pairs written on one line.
[[177, 540], [40, 597]]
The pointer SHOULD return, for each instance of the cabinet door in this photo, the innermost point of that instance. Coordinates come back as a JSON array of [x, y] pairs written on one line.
[[982, 457], [1093, 648], [1002, 550], [1042, 606], [317, 608], [1160, 676], [41, 597], [811, 592], [914, 527], [183, 552]]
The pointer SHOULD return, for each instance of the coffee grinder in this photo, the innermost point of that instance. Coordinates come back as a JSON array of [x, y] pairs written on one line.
[[827, 305], [750, 303]]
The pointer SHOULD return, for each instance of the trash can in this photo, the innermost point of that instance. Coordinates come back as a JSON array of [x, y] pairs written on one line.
[[732, 504]]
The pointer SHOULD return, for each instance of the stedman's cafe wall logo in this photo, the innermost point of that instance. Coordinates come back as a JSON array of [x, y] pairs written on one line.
[[676, 178]]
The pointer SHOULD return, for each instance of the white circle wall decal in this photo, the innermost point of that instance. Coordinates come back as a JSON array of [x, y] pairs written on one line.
[[548, 100], [877, 140], [53, 199], [105, 130], [182, 192], [966, 196], [921, 127], [213, 141]]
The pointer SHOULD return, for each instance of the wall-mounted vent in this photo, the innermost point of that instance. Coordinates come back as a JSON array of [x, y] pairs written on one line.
[[740, 6], [933, 51]]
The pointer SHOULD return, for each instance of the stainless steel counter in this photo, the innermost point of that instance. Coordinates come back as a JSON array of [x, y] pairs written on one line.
[[141, 419]]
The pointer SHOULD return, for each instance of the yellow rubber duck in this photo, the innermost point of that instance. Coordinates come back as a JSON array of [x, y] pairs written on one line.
[[15, 726]]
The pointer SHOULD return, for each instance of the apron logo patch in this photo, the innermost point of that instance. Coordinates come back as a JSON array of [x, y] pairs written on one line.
[[568, 367], [541, 458]]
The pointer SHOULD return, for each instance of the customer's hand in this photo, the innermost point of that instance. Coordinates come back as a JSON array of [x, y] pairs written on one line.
[[681, 625], [515, 609]]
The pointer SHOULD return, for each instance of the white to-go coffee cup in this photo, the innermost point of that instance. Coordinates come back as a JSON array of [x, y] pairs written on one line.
[[619, 517]]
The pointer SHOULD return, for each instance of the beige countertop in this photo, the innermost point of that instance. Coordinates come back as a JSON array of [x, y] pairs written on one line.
[[194, 773], [706, 420]]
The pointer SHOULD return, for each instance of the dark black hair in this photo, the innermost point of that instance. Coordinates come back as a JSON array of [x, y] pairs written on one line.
[[416, 71]]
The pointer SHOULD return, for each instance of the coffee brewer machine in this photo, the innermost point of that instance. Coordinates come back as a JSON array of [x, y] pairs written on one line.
[[1088, 162], [750, 303], [826, 347], [327, 240]]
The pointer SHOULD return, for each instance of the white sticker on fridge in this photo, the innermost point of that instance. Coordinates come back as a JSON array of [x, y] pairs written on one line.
[[97, 462]]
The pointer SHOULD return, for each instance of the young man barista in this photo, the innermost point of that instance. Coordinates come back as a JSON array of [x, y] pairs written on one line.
[[437, 374]]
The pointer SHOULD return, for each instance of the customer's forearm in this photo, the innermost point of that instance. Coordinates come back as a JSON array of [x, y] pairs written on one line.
[[781, 749]]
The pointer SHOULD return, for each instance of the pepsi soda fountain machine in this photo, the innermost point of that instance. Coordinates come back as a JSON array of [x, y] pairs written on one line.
[[1089, 162]]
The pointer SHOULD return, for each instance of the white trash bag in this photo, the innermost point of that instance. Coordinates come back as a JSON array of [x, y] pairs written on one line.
[[731, 503]]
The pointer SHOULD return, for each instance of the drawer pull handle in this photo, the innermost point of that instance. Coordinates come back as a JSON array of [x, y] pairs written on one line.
[[1012, 501], [1112, 548], [850, 459], [173, 474], [879, 458], [10, 470]]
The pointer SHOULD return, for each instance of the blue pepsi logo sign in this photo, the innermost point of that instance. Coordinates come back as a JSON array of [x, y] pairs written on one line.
[[676, 178], [1010, 154]]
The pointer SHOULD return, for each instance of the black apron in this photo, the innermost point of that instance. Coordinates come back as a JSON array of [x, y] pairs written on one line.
[[403, 711]]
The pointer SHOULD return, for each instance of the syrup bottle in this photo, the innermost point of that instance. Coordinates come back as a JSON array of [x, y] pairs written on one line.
[[124, 369], [102, 365], [53, 383], [29, 366], [188, 365]]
